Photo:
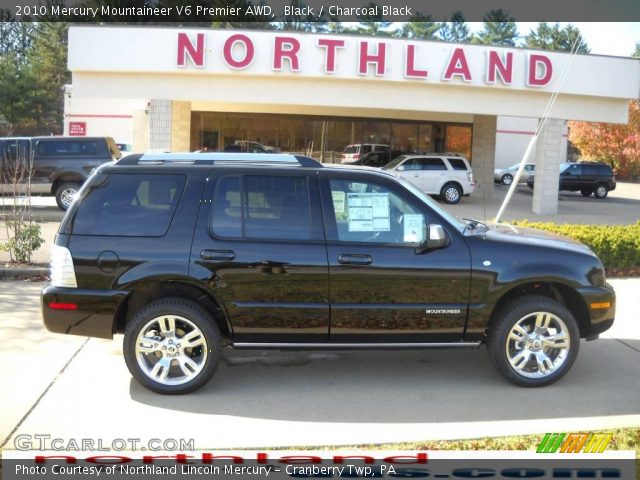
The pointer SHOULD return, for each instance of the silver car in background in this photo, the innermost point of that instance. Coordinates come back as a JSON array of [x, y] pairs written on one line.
[[505, 176]]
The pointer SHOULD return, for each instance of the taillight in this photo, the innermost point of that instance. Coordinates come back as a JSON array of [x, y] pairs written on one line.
[[61, 267], [470, 175], [63, 306], [356, 156]]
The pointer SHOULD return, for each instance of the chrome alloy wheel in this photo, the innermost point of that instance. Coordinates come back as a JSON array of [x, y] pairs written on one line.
[[171, 350], [538, 345], [67, 196], [451, 194]]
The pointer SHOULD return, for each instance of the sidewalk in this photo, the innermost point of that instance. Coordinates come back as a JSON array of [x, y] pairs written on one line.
[[71, 388]]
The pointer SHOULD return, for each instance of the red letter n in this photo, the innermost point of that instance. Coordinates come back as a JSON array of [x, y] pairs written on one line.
[[185, 47]]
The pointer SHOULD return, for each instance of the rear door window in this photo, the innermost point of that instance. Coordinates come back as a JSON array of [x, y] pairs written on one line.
[[431, 164], [457, 164], [262, 207], [129, 205]]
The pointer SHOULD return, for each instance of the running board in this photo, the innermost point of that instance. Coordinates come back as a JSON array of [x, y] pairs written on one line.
[[352, 346]]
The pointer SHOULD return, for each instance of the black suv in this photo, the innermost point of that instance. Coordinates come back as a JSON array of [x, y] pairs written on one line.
[[585, 177], [187, 253], [58, 165]]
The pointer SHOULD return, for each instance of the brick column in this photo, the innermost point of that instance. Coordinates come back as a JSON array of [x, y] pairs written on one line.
[[160, 126], [549, 155], [483, 151], [140, 131], [180, 126]]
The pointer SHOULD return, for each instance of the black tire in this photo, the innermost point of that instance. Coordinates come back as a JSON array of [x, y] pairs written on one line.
[[521, 311], [601, 191], [65, 193], [451, 193], [205, 356], [586, 192], [507, 179]]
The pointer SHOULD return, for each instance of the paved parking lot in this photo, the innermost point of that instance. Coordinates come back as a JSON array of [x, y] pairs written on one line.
[[71, 388], [622, 206]]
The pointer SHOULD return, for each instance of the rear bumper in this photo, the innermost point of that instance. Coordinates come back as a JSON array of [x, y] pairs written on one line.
[[90, 313], [601, 305]]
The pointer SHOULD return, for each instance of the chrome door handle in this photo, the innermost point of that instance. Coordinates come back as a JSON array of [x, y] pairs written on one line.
[[355, 259], [226, 255]]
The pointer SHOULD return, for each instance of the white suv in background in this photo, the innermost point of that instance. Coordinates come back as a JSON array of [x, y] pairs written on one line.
[[353, 153], [447, 175]]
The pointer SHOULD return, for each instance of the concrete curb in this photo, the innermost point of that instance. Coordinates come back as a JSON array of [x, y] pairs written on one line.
[[23, 272]]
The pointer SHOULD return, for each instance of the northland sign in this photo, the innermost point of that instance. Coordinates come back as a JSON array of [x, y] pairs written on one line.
[[364, 57], [344, 75]]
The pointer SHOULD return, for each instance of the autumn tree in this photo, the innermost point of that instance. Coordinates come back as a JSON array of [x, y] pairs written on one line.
[[616, 144]]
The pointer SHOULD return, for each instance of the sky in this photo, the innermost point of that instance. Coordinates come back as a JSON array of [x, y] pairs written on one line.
[[604, 38]]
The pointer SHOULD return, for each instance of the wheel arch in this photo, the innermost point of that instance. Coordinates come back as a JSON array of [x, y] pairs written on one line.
[[66, 178], [560, 292], [142, 293]]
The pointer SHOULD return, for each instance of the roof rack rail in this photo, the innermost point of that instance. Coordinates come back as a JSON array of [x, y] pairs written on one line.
[[213, 158]]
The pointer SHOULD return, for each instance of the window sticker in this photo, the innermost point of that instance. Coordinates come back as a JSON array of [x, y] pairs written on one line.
[[338, 201], [413, 227], [368, 212]]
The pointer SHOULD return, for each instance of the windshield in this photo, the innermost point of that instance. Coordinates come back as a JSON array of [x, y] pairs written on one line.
[[351, 149], [394, 163], [448, 216]]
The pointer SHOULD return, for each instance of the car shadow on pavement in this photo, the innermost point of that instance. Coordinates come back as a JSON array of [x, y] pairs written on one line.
[[407, 387]]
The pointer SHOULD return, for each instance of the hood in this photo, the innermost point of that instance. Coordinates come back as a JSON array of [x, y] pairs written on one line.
[[530, 236]]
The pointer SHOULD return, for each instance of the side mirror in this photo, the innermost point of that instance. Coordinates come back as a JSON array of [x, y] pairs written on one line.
[[400, 168], [436, 238]]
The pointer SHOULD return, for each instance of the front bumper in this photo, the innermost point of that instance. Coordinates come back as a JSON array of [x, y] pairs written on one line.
[[90, 313], [601, 305]]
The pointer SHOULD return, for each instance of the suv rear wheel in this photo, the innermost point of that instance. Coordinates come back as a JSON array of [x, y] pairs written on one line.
[[65, 194], [533, 341], [601, 191], [172, 346], [451, 193]]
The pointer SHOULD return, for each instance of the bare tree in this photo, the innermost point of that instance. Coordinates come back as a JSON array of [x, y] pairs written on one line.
[[23, 235]]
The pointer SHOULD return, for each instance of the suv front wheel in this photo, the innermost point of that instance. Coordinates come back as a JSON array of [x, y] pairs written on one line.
[[533, 341], [172, 346]]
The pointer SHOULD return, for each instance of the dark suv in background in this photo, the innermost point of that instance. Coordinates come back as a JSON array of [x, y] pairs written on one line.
[[585, 177], [57, 165], [187, 253]]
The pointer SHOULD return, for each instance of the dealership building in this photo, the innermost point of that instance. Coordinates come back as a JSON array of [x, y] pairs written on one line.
[[186, 89]]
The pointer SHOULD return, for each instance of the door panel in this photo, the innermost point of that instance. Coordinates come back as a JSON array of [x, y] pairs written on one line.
[[381, 289], [267, 263]]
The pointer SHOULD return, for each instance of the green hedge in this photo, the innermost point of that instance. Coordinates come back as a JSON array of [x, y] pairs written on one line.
[[618, 246]]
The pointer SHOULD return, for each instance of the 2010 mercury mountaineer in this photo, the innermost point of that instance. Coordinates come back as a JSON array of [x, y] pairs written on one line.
[[186, 253]]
